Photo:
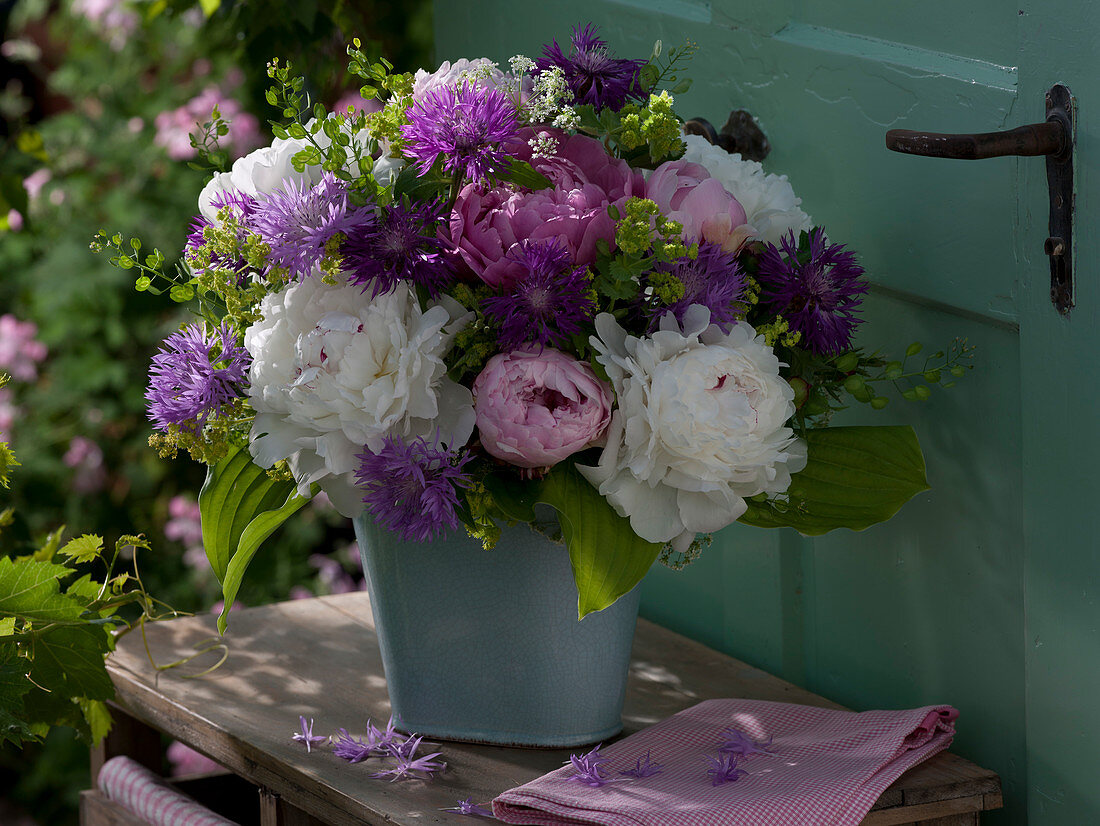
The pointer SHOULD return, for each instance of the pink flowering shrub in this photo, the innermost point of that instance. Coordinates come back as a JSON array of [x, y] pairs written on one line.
[[20, 353], [174, 127], [535, 408], [86, 458], [185, 526]]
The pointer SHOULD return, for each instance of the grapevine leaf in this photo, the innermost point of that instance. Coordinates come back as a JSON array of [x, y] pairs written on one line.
[[83, 549], [29, 589]]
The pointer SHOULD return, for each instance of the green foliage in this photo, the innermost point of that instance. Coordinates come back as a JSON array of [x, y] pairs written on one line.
[[241, 506], [856, 477]]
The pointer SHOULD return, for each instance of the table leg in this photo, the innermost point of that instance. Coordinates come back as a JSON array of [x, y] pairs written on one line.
[[276, 811], [129, 736]]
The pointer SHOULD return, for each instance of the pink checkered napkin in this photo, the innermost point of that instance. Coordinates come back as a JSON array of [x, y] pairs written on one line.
[[145, 794], [828, 769]]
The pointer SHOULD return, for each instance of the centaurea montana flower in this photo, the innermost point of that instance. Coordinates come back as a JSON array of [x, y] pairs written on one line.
[[466, 807], [724, 769], [194, 375], [737, 742], [410, 487], [402, 245], [713, 279], [816, 286], [306, 734], [594, 75], [550, 301], [352, 749], [299, 223], [589, 768], [643, 768], [467, 124]]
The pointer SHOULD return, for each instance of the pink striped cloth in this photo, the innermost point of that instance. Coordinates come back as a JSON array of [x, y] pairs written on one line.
[[827, 768], [130, 784]]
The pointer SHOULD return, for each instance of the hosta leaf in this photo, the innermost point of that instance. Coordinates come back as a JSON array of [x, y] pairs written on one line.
[[856, 477], [608, 558]]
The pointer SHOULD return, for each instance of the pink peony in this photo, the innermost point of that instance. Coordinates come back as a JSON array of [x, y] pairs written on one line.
[[534, 408], [687, 193], [487, 225]]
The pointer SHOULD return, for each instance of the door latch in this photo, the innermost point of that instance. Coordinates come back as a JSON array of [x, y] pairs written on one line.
[[1053, 138]]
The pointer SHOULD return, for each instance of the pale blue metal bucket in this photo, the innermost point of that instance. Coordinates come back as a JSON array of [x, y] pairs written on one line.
[[485, 646]]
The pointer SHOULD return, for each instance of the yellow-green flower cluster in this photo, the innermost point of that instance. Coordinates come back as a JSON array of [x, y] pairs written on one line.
[[779, 330], [654, 124]]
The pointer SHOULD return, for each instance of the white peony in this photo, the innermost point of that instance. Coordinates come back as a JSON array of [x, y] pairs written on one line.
[[700, 426], [769, 200], [334, 371], [481, 69], [258, 173]]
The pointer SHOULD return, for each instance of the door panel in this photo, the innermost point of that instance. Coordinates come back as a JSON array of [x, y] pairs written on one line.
[[982, 592]]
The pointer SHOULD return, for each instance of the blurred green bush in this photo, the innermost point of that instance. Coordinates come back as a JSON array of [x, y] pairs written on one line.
[[95, 102]]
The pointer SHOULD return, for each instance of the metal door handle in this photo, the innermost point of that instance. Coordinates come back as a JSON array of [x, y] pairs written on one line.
[[1050, 138], [1055, 139]]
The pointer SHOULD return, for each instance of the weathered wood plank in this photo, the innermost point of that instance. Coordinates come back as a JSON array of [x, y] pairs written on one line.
[[965, 806], [96, 809], [319, 659]]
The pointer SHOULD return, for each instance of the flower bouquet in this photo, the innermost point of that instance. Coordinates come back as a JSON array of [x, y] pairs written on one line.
[[497, 296]]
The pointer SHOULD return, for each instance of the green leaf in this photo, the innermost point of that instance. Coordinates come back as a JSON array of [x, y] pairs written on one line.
[[97, 716], [30, 589], [209, 6], [856, 477], [50, 546], [259, 529], [234, 492], [515, 500], [523, 174], [83, 549], [13, 687], [608, 558], [7, 626], [69, 660]]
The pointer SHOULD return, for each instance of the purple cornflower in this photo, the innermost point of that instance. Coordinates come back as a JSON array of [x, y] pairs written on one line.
[[298, 222], [377, 743], [402, 245], [194, 375], [306, 734], [816, 286], [548, 303], [714, 279], [594, 75], [643, 768], [411, 487], [465, 807], [588, 767], [724, 769], [465, 123], [737, 742]]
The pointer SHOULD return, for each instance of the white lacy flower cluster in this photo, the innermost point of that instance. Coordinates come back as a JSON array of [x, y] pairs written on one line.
[[700, 426], [334, 371], [771, 207]]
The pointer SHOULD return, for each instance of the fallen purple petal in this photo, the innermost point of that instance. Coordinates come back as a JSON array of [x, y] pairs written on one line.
[[737, 742], [644, 768], [352, 749], [426, 765], [724, 769], [465, 807], [306, 735], [588, 768]]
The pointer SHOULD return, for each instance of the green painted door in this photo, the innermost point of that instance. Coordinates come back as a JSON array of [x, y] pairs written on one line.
[[984, 592]]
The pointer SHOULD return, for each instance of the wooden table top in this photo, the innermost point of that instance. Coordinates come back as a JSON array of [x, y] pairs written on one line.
[[319, 658]]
